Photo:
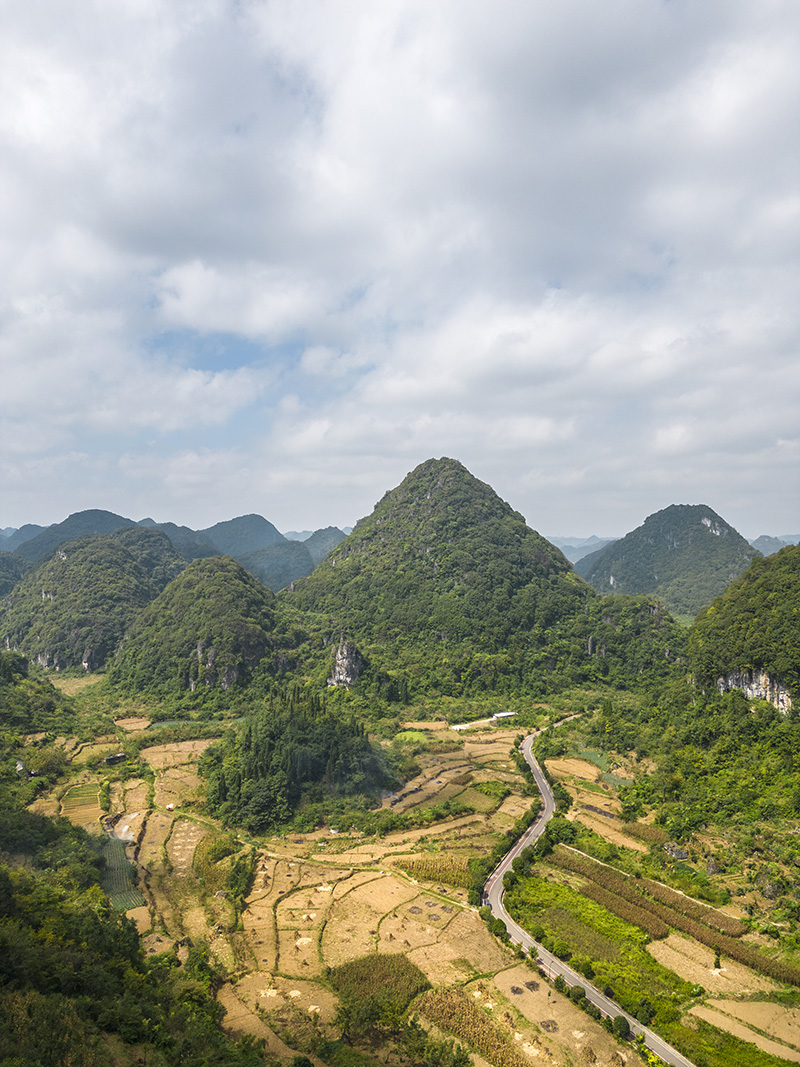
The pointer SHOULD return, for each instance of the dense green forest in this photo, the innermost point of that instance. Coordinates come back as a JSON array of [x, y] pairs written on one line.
[[210, 628], [73, 608], [75, 987], [290, 750], [754, 624]]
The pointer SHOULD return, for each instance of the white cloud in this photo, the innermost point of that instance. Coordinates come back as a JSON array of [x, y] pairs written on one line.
[[557, 241]]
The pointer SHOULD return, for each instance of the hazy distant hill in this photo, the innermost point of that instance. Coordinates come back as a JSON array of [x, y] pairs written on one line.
[[753, 626], [80, 524], [280, 564], [321, 542], [210, 627], [684, 555], [18, 537], [443, 558], [766, 545], [247, 533], [73, 608], [575, 548]]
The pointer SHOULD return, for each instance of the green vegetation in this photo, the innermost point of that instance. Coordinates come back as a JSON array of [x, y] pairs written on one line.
[[683, 556], [28, 704], [208, 630], [289, 751], [73, 609], [754, 625], [375, 992]]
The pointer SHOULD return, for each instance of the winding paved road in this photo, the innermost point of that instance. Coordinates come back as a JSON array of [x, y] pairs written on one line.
[[493, 896]]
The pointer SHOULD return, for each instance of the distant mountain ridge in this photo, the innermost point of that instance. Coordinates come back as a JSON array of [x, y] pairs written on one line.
[[275, 560], [684, 555]]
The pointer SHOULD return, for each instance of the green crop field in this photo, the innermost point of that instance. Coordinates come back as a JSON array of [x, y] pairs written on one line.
[[118, 878], [80, 796]]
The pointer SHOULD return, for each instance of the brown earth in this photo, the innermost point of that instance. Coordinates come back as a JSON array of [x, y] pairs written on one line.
[[740, 1030], [776, 1020], [568, 1032], [695, 963]]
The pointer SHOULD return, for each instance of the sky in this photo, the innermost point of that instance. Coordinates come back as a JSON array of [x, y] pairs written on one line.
[[269, 255]]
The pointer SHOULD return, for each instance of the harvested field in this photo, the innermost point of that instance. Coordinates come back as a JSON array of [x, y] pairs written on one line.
[[574, 768], [240, 1019], [175, 755], [183, 840], [606, 829], [157, 828], [568, 1030], [71, 686], [740, 1030], [142, 918], [176, 784], [776, 1020], [132, 724], [695, 963], [87, 753]]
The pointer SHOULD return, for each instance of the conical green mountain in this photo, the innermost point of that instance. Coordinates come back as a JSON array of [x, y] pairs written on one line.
[[684, 556], [73, 608], [210, 628], [442, 559], [753, 629]]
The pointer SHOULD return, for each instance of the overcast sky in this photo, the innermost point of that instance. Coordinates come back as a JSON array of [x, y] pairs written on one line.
[[268, 255]]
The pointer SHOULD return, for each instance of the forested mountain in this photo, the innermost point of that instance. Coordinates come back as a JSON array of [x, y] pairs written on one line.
[[684, 556], [278, 565], [209, 628], [247, 533], [73, 608], [442, 558], [12, 568], [754, 626], [321, 542], [189, 543], [80, 524]]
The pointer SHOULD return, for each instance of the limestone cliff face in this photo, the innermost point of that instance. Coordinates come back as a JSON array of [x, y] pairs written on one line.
[[757, 685], [348, 665]]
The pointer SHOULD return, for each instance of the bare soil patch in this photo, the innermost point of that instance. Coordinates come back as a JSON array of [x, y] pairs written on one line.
[[183, 840], [568, 1032], [240, 1019], [176, 754], [133, 723], [776, 1020], [695, 963], [739, 1029]]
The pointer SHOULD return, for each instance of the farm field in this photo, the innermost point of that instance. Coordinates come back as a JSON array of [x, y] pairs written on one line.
[[322, 899]]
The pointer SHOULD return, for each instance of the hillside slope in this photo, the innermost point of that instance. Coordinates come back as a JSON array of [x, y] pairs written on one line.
[[73, 608], [753, 627], [684, 556], [210, 627], [442, 558]]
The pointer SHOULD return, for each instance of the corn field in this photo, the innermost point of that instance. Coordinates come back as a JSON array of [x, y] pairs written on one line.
[[431, 867]]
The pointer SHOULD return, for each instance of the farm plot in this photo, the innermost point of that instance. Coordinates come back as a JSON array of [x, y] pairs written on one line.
[[563, 1028], [695, 963], [118, 877], [775, 1020], [745, 1033], [174, 785], [81, 805], [183, 840], [175, 755]]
